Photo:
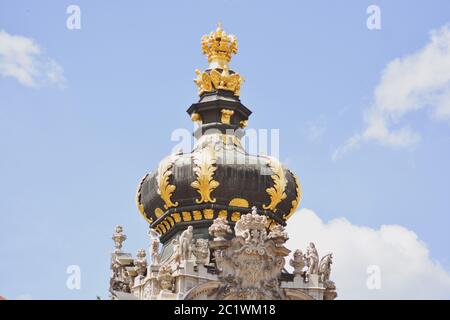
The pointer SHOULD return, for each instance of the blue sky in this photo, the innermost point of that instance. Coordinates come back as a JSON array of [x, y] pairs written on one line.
[[72, 153]]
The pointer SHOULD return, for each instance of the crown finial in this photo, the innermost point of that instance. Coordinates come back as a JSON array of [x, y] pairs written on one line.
[[218, 47]]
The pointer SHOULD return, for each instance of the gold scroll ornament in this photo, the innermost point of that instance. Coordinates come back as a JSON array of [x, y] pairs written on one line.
[[277, 192], [298, 198], [165, 189], [204, 168]]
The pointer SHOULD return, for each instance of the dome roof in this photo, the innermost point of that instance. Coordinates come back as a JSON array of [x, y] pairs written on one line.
[[218, 178]]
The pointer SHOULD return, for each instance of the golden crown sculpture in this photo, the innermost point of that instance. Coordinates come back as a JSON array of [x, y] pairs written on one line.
[[218, 47]]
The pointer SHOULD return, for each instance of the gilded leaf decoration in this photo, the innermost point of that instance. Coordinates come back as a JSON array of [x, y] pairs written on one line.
[[297, 199], [276, 192], [165, 189], [138, 200], [204, 168]]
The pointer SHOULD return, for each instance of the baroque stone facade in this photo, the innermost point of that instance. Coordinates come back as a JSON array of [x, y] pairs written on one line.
[[248, 265]]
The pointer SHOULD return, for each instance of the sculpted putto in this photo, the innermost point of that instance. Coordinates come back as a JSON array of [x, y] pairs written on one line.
[[277, 233], [165, 278], [201, 251], [140, 263], [251, 227]]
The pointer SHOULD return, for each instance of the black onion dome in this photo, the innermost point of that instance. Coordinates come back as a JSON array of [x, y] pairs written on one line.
[[218, 178]]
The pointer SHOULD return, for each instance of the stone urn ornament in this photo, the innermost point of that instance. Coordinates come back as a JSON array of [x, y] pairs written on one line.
[[219, 229]]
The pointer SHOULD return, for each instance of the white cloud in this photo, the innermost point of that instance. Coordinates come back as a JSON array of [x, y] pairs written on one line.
[[316, 130], [22, 58], [413, 82], [407, 270]]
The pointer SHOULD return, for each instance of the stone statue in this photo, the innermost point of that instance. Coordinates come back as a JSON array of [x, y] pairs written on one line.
[[165, 278], [278, 234], [154, 246], [176, 251], [219, 229], [312, 259], [249, 265], [140, 263], [325, 268], [248, 222], [120, 279], [118, 238], [201, 251], [127, 282], [186, 243], [298, 262], [115, 276]]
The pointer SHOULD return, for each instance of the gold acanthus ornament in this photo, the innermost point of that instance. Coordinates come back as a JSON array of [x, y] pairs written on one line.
[[204, 168], [215, 79], [165, 189], [138, 200], [277, 192], [298, 198]]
